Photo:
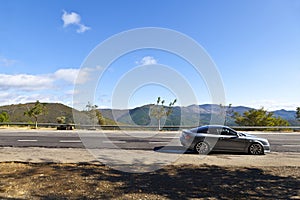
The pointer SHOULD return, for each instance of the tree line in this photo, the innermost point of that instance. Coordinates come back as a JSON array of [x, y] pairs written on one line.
[[252, 117], [259, 117]]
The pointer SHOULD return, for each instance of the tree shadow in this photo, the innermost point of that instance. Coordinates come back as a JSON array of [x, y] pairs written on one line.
[[88, 181], [183, 150], [173, 150]]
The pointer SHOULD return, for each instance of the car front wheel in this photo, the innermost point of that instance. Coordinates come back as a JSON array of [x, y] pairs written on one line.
[[202, 148], [256, 149]]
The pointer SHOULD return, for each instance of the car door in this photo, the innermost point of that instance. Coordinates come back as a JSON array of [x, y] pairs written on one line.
[[229, 140]]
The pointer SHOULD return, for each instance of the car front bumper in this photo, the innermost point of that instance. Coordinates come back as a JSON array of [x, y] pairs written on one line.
[[267, 148]]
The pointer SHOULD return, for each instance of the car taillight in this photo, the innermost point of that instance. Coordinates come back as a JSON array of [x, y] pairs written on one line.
[[187, 137]]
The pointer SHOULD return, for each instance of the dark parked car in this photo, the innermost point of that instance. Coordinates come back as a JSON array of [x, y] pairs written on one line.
[[222, 138]]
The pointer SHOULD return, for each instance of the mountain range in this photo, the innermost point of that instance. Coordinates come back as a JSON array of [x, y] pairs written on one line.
[[184, 116]]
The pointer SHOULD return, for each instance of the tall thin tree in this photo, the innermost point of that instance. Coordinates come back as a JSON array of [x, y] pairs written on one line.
[[37, 110], [159, 110]]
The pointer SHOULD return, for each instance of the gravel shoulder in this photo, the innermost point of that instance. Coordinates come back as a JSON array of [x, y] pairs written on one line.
[[75, 155]]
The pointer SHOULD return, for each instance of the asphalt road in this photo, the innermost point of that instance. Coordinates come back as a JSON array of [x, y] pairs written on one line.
[[280, 142]]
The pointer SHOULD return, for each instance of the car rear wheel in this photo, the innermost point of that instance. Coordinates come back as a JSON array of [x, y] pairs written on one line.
[[202, 148], [256, 149]]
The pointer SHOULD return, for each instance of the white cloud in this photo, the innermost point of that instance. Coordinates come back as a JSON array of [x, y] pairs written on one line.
[[70, 18], [82, 28], [75, 76], [17, 98], [68, 75], [6, 62], [147, 60], [5, 95], [25, 82], [29, 82], [88, 74], [73, 18], [53, 87]]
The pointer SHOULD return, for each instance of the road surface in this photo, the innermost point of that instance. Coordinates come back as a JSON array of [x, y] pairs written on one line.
[[280, 142]]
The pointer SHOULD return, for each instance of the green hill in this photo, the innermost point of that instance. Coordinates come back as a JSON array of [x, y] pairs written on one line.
[[54, 110], [184, 116]]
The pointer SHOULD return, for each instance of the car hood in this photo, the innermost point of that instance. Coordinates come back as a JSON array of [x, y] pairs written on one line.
[[249, 135], [255, 137]]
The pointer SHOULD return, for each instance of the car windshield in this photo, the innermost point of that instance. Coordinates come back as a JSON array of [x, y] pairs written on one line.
[[202, 129], [194, 130]]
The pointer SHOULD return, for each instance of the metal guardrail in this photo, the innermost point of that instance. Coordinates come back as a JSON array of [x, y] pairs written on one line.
[[131, 127], [28, 124], [265, 127]]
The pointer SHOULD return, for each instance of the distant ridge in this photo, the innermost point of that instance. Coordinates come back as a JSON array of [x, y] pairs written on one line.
[[185, 115]]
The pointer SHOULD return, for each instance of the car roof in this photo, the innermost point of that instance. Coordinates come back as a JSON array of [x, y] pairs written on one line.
[[213, 126]]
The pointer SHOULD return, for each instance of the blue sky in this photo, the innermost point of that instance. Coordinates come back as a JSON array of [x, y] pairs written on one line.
[[254, 44]]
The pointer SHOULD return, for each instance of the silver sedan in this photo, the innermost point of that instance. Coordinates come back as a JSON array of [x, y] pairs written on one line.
[[222, 138]]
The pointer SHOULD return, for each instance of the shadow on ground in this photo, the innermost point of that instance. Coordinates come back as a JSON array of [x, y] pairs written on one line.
[[173, 149], [86, 181], [183, 150]]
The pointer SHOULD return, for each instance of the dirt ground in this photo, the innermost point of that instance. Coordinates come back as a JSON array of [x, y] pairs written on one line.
[[48, 174], [23, 180]]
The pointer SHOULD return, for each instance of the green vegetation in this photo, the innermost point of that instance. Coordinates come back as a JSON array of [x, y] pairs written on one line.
[[259, 117], [37, 110], [4, 117], [159, 110], [16, 112], [61, 120], [193, 115], [94, 114], [298, 113]]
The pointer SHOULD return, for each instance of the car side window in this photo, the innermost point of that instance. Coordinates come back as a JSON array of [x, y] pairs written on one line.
[[232, 132], [226, 131]]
